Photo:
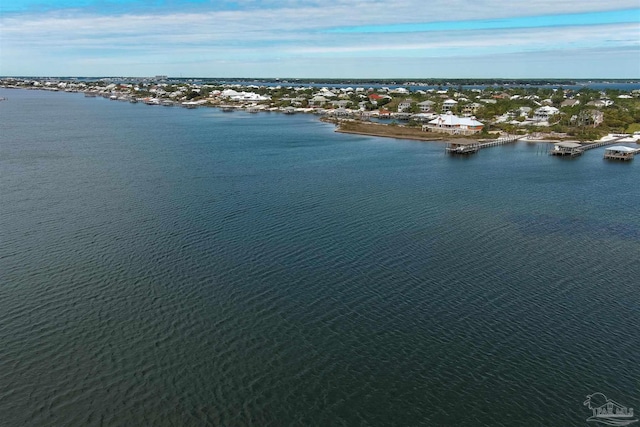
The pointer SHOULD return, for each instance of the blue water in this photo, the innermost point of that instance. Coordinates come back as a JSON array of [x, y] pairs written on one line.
[[164, 266]]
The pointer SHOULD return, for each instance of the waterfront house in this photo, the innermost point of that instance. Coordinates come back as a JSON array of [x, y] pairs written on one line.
[[404, 105], [341, 104], [423, 117], [384, 113], [452, 124], [402, 116], [340, 112], [374, 98], [543, 114]]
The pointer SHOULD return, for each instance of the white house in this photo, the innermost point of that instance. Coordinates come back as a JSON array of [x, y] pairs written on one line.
[[317, 100], [450, 123], [448, 105], [600, 103], [404, 105], [425, 106], [543, 114]]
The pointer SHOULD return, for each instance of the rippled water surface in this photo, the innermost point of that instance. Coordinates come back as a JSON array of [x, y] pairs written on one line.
[[163, 266]]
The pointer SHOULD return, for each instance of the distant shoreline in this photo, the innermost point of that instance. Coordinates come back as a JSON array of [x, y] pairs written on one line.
[[355, 126]]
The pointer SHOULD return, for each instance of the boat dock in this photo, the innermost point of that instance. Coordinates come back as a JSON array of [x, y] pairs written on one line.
[[471, 147], [500, 141], [573, 149], [620, 152], [598, 144], [462, 147]]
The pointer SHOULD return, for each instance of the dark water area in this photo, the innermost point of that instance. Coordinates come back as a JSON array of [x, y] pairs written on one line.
[[164, 266]]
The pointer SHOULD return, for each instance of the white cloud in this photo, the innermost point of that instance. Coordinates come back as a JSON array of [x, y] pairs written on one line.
[[286, 29]]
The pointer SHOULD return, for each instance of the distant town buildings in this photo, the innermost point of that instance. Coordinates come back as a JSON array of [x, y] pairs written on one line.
[[566, 111]]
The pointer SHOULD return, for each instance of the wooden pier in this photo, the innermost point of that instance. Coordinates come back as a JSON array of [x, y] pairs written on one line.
[[620, 153], [598, 144], [574, 149], [462, 147], [500, 141], [471, 147]]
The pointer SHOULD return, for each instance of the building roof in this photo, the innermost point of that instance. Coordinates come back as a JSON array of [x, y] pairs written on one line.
[[567, 144], [621, 149], [464, 142], [547, 110], [453, 120]]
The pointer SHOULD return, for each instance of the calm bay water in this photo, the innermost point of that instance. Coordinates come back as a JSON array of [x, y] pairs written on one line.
[[162, 266]]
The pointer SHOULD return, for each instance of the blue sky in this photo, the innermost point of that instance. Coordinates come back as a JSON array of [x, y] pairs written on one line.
[[315, 39]]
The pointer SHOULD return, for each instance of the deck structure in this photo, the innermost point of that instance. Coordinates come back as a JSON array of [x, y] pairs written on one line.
[[604, 142], [570, 149], [471, 147], [573, 149], [462, 147], [620, 152]]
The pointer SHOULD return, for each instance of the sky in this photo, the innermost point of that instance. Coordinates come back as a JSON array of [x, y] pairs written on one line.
[[321, 39]]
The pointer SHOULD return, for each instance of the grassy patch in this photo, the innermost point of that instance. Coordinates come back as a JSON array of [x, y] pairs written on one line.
[[633, 127], [390, 131]]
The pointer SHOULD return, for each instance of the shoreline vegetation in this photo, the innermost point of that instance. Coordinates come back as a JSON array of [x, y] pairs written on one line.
[[533, 110]]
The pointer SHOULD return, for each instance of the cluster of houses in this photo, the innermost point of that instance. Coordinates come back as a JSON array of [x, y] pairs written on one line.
[[446, 111]]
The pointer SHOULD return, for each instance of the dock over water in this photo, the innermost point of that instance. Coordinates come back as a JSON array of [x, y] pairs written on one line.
[[471, 147], [620, 152], [573, 149]]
